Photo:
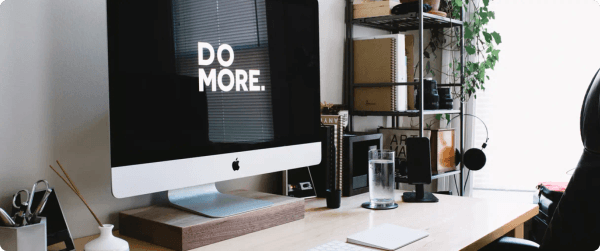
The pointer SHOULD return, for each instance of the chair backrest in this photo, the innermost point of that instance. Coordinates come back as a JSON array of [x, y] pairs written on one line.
[[590, 117], [575, 224]]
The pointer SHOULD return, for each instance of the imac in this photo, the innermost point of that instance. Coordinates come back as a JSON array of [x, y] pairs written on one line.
[[202, 91]]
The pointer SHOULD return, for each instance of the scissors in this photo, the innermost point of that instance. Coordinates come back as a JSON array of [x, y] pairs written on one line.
[[20, 218], [24, 214]]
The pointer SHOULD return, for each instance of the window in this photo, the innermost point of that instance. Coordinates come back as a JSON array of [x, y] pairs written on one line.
[[549, 55], [243, 26]]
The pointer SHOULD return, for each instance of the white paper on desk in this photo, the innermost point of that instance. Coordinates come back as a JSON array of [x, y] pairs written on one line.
[[387, 236]]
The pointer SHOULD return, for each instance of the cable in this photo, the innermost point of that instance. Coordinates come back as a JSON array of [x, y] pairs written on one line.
[[467, 181], [487, 134], [456, 184]]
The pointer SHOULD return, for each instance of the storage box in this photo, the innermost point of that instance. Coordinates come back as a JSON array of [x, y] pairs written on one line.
[[27, 238], [409, 43], [374, 9], [442, 146]]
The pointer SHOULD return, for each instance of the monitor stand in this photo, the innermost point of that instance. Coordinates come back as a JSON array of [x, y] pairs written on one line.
[[419, 196], [208, 201]]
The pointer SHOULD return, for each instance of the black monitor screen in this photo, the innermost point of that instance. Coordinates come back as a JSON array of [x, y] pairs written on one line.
[[192, 78]]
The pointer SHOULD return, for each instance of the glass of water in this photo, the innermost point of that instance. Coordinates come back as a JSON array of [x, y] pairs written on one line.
[[381, 179]]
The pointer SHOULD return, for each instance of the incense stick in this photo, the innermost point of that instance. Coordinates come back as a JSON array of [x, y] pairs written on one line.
[[71, 185]]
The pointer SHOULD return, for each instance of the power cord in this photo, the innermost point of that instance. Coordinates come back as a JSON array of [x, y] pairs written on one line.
[[466, 182]]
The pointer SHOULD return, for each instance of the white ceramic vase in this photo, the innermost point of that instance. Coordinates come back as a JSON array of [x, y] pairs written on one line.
[[107, 241]]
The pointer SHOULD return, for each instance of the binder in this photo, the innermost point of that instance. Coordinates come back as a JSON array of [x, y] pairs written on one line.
[[338, 133], [380, 59], [323, 174]]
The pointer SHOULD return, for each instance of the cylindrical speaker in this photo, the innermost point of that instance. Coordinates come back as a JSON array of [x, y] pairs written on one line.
[[432, 98], [445, 98], [474, 159]]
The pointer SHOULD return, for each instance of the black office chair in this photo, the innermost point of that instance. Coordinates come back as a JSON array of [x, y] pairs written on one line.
[[576, 221]]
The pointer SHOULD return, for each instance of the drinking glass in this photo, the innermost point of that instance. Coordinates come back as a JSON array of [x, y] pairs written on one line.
[[381, 179]]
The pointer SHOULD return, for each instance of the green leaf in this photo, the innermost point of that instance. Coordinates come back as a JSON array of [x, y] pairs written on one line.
[[438, 116], [486, 2], [495, 53], [497, 37], [488, 36], [458, 3], [470, 49], [447, 118], [468, 33]]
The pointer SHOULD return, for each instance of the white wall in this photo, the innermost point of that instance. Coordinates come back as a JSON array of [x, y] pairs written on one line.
[[332, 31], [54, 105]]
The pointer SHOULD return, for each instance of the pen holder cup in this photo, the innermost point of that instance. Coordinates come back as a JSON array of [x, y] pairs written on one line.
[[26, 238]]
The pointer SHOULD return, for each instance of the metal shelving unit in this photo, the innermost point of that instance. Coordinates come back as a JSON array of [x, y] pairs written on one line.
[[394, 24]]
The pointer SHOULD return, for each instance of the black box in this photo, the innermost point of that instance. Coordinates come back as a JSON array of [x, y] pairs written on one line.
[[355, 164]]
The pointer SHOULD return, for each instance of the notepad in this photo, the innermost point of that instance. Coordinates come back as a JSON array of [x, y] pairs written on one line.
[[387, 236]]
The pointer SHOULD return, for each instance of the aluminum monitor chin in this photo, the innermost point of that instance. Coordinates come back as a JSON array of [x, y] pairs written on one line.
[[208, 91]]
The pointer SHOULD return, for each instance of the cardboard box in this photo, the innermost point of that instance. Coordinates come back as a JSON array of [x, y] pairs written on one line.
[[409, 43], [442, 146], [374, 9]]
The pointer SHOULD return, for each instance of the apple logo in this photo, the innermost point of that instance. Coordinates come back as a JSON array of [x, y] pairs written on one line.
[[236, 165]]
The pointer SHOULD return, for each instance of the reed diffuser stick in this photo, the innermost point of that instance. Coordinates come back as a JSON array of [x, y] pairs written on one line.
[[75, 190]]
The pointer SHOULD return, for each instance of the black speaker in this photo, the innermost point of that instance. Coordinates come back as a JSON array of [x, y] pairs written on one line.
[[445, 98], [418, 152], [432, 98], [474, 159]]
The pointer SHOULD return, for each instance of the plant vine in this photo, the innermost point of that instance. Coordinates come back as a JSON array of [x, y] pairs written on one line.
[[481, 54]]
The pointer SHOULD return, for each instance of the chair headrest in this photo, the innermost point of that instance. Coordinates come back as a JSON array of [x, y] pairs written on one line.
[[590, 116]]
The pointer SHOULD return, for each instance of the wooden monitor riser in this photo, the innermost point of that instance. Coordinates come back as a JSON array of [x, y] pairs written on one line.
[[177, 229]]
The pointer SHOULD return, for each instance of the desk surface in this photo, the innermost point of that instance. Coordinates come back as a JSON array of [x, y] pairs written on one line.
[[454, 223]]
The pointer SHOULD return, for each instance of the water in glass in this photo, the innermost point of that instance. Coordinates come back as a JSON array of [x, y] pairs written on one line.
[[381, 183]]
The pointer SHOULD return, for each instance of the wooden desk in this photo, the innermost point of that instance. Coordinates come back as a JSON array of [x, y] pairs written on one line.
[[454, 223]]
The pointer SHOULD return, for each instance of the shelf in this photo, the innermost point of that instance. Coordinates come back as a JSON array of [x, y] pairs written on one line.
[[384, 84], [407, 22], [433, 177], [409, 113], [449, 85], [399, 83], [430, 112]]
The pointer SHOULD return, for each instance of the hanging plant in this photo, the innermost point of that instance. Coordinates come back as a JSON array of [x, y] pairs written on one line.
[[481, 54]]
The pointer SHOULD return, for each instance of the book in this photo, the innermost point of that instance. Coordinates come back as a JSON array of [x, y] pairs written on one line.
[[380, 59], [336, 122], [323, 174], [387, 237]]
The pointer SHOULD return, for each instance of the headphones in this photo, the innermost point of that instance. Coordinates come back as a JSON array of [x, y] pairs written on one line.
[[474, 158]]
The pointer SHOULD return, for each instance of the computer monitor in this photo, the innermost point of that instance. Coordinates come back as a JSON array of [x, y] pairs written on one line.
[[203, 91]]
